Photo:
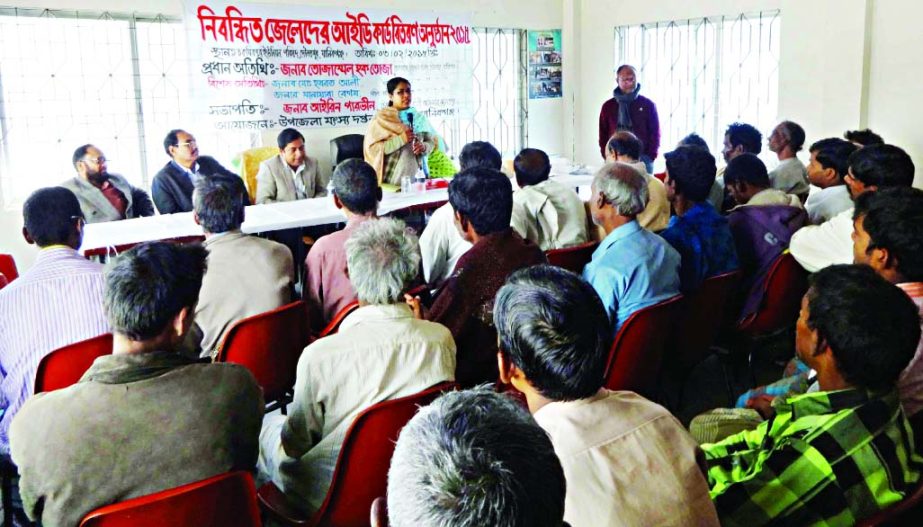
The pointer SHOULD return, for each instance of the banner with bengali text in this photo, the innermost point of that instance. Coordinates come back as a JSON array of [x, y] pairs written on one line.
[[260, 66]]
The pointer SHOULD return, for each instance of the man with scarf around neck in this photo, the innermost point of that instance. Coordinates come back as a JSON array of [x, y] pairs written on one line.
[[628, 110], [145, 418]]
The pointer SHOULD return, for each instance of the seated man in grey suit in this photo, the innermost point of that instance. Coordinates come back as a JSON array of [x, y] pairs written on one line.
[[246, 275], [291, 175], [144, 418], [173, 184], [104, 196]]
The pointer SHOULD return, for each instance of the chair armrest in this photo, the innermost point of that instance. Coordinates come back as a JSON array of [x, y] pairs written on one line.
[[277, 505]]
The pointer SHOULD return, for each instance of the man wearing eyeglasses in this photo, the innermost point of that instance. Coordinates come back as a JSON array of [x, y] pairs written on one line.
[[173, 185], [104, 196], [291, 175]]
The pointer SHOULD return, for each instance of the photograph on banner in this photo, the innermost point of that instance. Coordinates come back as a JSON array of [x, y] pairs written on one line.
[[261, 67], [545, 64]]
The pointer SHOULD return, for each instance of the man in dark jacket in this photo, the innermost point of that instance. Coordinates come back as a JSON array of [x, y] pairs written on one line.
[[627, 110], [172, 186]]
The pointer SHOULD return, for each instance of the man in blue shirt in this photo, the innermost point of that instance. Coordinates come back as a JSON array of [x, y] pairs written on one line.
[[696, 230], [632, 268]]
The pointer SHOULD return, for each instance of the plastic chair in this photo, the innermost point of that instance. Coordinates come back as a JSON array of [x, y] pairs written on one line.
[[334, 325], [907, 512], [786, 284], [8, 267], [65, 366], [701, 316], [3, 281], [250, 165], [638, 349], [361, 472], [572, 258], [226, 500], [345, 147], [269, 345]]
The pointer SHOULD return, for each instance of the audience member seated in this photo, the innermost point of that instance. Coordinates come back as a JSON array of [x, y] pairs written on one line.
[[291, 175], [381, 352], [554, 343], [739, 138], [482, 201], [145, 418], [474, 458], [104, 196], [626, 148], [862, 138], [843, 453], [173, 184], [888, 236], [632, 268], [716, 193], [327, 287], [870, 168], [59, 301], [441, 244], [762, 224], [826, 171], [246, 275], [696, 231], [545, 212], [790, 175]]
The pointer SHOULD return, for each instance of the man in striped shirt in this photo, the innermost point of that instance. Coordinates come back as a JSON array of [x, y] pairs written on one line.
[[57, 302], [841, 454]]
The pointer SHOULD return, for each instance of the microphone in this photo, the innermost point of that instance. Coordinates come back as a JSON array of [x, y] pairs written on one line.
[[410, 120]]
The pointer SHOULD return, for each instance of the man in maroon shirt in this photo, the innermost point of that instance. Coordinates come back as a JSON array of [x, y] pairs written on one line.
[[628, 110], [104, 196], [482, 200]]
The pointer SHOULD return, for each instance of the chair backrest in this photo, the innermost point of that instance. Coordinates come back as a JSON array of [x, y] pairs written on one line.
[[269, 345], [250, 165], [3, 281], [572, 258], [638, 349], [226, 500], [334, 324], [361, 473], [700, 317], [786, 283], [907, 512], [65, 366], [8, 267], [345, 147]]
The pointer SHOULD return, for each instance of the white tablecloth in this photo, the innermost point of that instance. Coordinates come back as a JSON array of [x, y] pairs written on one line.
[[258, 218]]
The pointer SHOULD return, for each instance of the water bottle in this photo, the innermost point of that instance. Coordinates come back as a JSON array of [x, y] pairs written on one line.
[[406, 185], [419, 181]]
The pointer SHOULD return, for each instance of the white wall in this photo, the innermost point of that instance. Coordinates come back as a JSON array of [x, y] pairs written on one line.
[[544, 116]]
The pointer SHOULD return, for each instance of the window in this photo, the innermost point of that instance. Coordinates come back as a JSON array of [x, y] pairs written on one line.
[[498, 112], [706, 73], [121, 81]]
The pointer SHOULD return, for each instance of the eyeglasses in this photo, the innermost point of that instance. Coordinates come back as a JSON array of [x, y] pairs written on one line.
[[98, 161], [81, 219], [190, 143]]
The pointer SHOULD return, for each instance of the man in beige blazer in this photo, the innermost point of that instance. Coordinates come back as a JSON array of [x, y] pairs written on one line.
[[104, 196], [246, 275], [291, 175]]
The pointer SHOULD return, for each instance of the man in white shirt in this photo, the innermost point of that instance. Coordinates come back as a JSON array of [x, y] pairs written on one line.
[[381, 352], [545, 212], [790, 175], [441, 244], [870, 168], [626, 148], [291, 175], [826, 171], [627, 460]]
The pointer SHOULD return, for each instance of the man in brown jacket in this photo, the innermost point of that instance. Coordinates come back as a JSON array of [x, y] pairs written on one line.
[[145, 418]]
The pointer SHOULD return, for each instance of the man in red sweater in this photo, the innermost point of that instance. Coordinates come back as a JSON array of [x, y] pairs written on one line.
[[628, 110]]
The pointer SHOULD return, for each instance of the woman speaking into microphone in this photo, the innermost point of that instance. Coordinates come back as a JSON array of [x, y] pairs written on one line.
[[399, 138]]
